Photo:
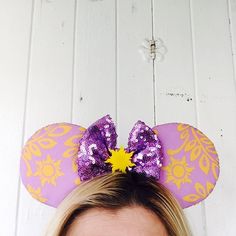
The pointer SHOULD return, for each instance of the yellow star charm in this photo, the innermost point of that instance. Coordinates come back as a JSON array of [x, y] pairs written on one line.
[[120, 160]]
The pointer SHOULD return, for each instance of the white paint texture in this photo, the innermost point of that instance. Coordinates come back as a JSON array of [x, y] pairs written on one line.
[[76, 61]]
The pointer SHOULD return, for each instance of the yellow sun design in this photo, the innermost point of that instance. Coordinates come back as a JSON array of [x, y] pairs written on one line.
[[77, 181], [178, 171], [48, 170], [120, 160], [36, 193]]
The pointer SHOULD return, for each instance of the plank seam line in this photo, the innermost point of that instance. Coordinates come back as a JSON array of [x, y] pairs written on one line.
[[73, 60], [153, 66], [193, 42], [25, 109], [233, 49]]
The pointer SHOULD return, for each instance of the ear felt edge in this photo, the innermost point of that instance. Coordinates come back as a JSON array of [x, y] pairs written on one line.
[[23, 166], [163, 126]]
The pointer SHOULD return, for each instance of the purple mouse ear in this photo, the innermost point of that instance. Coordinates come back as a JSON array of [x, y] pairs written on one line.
[[190, 163], [48, 169]]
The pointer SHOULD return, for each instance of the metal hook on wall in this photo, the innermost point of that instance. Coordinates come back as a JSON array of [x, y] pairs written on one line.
[[153, 50]]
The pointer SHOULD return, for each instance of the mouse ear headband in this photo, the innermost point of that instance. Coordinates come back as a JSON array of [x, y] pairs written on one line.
[[58, 157]]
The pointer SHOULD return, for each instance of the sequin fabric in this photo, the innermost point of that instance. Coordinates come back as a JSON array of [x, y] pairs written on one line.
[[101, 136]]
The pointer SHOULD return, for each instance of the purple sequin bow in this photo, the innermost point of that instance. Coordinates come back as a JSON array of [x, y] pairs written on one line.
[[101, 137]]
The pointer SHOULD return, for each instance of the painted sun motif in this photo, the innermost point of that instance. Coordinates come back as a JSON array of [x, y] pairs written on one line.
[[48, 170], [178, 171], [120, 160], [36, 193], [77, 181]]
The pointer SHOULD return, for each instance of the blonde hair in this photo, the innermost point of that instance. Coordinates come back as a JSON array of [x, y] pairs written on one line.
[[114, 191]]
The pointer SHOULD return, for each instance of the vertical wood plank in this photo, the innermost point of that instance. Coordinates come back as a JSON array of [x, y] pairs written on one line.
[[175, 85], [232, 21], [134, 75], [94, 89], [15, 18], [217, 106], [49, 91]]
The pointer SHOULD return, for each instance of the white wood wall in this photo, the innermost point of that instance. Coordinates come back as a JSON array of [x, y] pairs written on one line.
[[75, 61]]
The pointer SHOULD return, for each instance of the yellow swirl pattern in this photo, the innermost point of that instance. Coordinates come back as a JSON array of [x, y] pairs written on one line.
[[36, 193], [201, 192], [200, 148], [73, 146], [42, 139]]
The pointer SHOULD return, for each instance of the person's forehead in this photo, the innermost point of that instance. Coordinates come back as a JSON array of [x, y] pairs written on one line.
[[126, 221]]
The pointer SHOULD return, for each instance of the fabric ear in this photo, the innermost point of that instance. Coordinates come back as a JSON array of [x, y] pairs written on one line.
[[190, 163], [48, 169]]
